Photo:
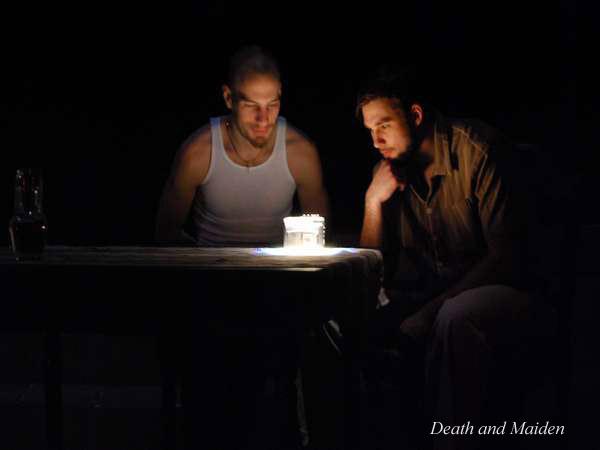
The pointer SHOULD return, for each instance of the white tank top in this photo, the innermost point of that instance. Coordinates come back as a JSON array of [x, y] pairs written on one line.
[[237, 205]]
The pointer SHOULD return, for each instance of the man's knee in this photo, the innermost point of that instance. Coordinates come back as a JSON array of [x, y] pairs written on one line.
[[452, 314], [486, 310], [453, 320]]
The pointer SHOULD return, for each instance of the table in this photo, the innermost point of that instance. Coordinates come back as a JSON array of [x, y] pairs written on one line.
[[157, 290]]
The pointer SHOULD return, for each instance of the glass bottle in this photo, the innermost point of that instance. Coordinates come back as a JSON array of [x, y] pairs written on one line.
[[27, 227]]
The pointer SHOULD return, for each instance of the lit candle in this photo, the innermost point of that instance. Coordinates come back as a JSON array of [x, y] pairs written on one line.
[[307, 231]]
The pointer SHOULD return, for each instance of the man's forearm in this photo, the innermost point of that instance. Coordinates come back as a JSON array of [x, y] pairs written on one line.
[[372, 229]]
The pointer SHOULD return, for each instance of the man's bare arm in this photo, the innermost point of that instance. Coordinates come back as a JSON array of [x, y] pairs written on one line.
[[382, 187], [305, 167], [188, 172], [372, 226]]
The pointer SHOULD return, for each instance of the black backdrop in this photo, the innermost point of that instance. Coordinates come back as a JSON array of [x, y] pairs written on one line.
[[102, 105]]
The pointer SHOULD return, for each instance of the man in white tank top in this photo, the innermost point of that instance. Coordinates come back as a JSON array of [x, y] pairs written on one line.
[[237, 175]]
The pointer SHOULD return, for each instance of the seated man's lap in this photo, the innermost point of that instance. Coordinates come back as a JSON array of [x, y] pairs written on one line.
[[501, 313]]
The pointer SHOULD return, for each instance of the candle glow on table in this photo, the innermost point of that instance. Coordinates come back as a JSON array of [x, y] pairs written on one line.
[[302, 251], [304, 236]]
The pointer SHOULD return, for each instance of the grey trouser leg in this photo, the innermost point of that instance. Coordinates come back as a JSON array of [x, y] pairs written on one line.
[[468, 331]]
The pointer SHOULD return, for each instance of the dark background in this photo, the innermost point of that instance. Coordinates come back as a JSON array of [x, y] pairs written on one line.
[[101, 96], [103, 104]]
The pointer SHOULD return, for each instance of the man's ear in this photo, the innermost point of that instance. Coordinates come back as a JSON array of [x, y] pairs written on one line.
[[228, 96], [417, 114]]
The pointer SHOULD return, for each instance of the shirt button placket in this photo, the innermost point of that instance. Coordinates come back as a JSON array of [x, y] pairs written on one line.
[[434, 239]]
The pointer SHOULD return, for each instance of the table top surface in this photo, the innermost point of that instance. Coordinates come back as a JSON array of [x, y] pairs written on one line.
[[200, 257]]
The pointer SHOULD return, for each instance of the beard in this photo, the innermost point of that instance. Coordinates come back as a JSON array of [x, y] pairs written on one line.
[[401, 164], [407, 161], [259, 142], [406, 158]]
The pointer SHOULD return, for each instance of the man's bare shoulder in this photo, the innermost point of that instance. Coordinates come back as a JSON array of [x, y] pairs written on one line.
[[197, 145], [303, 158], [193, 158], [298, 144]]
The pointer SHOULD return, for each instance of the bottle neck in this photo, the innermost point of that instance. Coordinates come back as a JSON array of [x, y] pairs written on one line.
[[28, 194]]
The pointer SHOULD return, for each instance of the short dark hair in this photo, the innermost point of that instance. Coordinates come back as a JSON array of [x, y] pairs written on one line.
[[251, 60], [400, 85]]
